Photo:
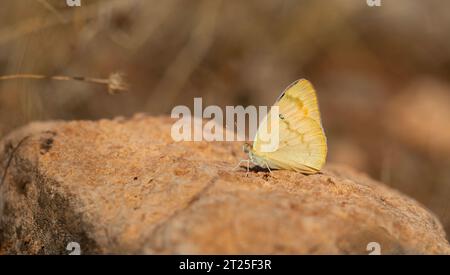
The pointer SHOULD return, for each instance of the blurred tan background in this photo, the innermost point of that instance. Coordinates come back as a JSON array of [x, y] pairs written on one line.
[[382, 73]]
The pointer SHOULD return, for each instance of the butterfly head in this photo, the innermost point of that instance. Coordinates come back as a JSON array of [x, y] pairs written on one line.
[[247, 148]]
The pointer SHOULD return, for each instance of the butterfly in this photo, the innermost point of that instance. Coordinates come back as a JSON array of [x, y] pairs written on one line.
[[302, 144]]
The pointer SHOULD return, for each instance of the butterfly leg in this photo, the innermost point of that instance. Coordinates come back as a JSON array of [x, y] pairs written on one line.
[[241, 161], [248, 168], [267, 166]]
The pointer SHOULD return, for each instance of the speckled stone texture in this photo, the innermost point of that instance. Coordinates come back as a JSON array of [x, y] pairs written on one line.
[[123, 186]]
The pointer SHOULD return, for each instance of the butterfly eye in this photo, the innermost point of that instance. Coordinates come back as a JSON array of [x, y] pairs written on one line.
[[281, 116], [246, 147]]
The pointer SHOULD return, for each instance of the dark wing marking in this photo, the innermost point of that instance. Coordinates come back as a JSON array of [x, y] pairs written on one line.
[[288, 87]]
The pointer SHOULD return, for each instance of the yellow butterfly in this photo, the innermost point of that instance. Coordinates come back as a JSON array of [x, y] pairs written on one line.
[[302, 144]]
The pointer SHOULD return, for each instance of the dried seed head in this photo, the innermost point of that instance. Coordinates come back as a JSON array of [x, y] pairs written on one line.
[[117, 83]]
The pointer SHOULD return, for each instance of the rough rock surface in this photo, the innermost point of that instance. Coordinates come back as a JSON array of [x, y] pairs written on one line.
[[123, 186]]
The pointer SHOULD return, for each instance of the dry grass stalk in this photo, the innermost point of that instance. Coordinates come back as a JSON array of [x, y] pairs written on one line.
[[115, 82]]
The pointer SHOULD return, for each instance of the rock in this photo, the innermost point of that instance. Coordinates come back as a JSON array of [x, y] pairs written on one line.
[[123, 186]]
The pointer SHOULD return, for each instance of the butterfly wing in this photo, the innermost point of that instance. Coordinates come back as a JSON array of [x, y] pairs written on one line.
[[302, 142]]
